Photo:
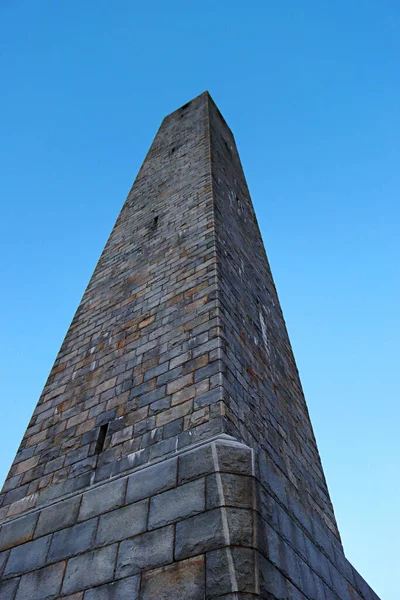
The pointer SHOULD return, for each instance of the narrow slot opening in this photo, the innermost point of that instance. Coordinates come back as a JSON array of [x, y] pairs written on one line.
[[101, 438], [155, 222]]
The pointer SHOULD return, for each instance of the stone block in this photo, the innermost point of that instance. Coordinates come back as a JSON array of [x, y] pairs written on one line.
[[3, 559], [184, 501], [26, 557], [125, 589], [57, 516], [122, 523], [234, 458], [8, 589], [196, 463], [183, 580], [272, 583], [42, 584], [18, 531], [102, 499], [317, 561], [146, 551], [342, 587], [235, 596], [71, 541], [199, 534], [230, 569], [151, 480], [90, 569], [225, 489]]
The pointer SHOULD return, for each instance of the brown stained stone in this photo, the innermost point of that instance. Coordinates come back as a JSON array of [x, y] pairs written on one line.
[[174, 413], [193, 306], [37, 438], [146, 322], [195, 289], [198, 417], [181, 581], [180, 383], [26, 465]]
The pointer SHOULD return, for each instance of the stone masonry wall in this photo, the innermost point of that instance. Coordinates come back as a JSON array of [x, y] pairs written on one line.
[[141, 354], [171, 455], [190, 527], [264, 393]]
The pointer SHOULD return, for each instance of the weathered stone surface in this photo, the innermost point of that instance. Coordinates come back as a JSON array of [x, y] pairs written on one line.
[[122, 523], [199, 534], [184, 501], [3, 559], [73, 540], [42, 584], [235, 458], [18, 531], [151, 480], [183, 580], [125, 589], [179, 340], [102, 499], [225, 489], [59, 515], [272, 582], [89, 569], [196, 463], [26, 557], [8, 589], [230, 569], [146, 551]]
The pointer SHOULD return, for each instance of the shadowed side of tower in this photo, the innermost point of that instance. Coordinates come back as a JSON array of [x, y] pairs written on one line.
[[171, 453]]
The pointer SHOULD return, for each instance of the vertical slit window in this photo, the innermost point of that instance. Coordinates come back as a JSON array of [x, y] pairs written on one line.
[[101, 438]]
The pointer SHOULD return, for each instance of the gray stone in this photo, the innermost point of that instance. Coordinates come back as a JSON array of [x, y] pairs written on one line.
[[184, 501], [26, 557], [318, 561], [42, 584], [272, 583], [145, 551], [199, 534], [57, 516], [181, 581], [179, 338], [293, 534], [122, 523], [8, 589], [240, 524], [71, 541], [3, 560], [196, 463], [102, 499], [234, 458], [237, 490], [151, 480], [341, 586], [234, 596], [219, 577], [125, 589], [18, 531], [90, 569]]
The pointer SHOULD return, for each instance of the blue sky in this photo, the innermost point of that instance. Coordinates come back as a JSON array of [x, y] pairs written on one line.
[[312, 92]]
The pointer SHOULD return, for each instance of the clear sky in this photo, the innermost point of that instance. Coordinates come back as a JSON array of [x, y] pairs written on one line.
[[312, 92]]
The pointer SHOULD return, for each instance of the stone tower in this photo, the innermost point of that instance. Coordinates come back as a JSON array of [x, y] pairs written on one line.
[[171, 455]]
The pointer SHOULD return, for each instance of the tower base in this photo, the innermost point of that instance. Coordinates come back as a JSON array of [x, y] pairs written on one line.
[[205, 523]]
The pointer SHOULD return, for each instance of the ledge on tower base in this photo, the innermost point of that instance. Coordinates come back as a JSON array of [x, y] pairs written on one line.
[[204, 523]]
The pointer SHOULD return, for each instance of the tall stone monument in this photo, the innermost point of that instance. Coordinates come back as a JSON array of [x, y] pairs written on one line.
[[171, 455]]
